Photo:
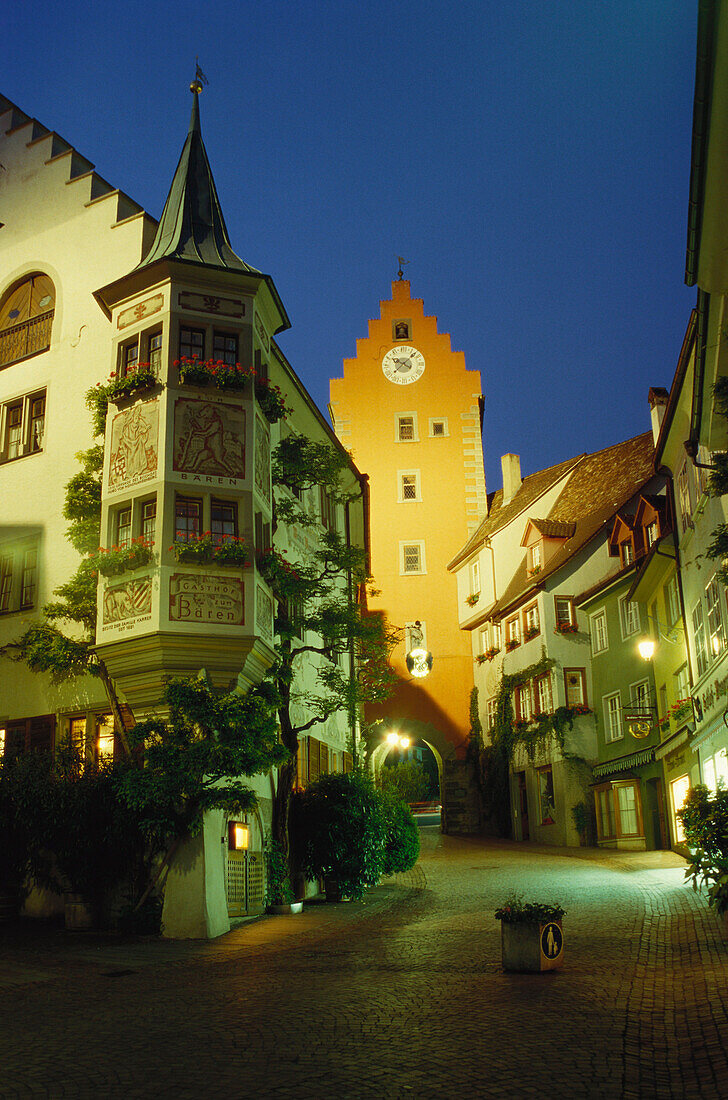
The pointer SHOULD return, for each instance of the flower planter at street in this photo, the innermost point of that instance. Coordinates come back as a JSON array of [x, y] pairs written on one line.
[[530, 947]]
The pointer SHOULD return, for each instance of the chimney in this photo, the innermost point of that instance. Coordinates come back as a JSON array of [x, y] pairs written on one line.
[[511, 466], [658, 398]]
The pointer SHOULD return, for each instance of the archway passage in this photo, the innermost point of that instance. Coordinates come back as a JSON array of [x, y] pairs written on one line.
[[412, 768]]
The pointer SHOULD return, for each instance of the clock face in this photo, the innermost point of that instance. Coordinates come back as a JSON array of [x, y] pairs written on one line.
[[403, 364]]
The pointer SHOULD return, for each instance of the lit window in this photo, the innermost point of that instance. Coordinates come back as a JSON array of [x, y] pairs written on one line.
[[682, 683], [701, 649], [716, 628], [627, 805], [652, 532], [626, 552], [104, 738], [613, 717], [679, 792], [599, 632]]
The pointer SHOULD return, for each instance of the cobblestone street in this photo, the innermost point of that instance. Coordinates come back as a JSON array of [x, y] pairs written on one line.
[[400, 995]]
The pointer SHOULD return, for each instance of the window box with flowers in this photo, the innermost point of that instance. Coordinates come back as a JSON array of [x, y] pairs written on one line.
[[681, 710], [271, 400], [530, 632], [511, 644], [213, 372], [205, 550], [488, 655], [123, 559], [138, 379], [566, 628], [472, 599]]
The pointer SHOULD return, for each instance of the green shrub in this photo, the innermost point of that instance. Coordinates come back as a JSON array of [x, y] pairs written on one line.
[[341, 831], [277, 880], [408, 780], [402, 842], [705, 819]]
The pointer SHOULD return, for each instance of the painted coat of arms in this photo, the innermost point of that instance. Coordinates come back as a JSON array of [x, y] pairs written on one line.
[[134, 445]]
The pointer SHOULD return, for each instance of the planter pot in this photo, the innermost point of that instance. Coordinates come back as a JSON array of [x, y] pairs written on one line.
[[291, 908], [78, 915], [530, 947]]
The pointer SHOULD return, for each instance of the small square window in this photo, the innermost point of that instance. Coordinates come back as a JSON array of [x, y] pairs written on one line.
[[409, 486], [412, 557], [438, 427], [405, 429]]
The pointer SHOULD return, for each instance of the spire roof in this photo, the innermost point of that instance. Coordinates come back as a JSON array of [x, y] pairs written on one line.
[[192, 227]]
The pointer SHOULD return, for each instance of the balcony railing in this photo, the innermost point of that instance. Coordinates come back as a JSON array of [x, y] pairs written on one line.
[[26, 338]]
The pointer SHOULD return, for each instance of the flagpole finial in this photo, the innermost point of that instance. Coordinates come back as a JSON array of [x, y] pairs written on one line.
[[402, 262], [200, 79]]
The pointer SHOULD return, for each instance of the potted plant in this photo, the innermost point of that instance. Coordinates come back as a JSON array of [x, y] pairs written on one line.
[[531, 632], [213, 372], [532, 938], [511, 644], [472, 599], [566, 628], [204, 550], [123, 559], [278, 892], [270, 399]]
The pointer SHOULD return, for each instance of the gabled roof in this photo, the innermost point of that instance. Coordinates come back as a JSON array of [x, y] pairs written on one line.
[[192, 226], [600, 484], [552, 528], [532, 487]]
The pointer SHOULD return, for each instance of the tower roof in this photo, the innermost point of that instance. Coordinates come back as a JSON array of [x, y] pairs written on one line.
[[192, 227]]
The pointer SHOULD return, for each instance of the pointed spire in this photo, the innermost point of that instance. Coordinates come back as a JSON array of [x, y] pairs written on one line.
[[192, 227]]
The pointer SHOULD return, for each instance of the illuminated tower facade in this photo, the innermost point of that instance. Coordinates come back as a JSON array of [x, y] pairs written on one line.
[[410, 412]]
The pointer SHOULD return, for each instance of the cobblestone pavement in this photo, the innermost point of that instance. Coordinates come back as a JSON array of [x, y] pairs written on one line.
[[400, 995]]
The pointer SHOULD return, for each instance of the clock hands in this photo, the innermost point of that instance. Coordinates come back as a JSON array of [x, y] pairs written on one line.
[[403, 365]]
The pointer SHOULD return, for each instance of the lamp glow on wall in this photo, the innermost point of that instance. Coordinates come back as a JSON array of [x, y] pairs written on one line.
[[419, 662], [238, 836]]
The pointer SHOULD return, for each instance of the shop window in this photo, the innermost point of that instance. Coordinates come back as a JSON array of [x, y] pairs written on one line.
[[22, 424], [26, 318], [678, 793], [715, 770], [606, 819]]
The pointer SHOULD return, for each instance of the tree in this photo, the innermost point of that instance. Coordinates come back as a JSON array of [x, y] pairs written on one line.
[[408, 780], [194, 759], [319, 617]]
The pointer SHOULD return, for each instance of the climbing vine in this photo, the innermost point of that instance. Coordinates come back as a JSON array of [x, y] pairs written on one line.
[[508, 733]]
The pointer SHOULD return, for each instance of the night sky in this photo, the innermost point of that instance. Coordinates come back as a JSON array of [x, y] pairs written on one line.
[[531, 160]]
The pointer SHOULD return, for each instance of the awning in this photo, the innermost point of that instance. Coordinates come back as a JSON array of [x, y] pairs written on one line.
[[672, 743], [624, 763]]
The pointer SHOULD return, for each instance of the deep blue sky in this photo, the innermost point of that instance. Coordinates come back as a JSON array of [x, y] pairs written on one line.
[[530, 159]]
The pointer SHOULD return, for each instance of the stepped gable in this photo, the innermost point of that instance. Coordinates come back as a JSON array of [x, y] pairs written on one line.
[[53, 148], [600, 484], [532, 487]]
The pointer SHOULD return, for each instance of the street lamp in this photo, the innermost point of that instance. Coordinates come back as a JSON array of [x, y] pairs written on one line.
[[646, 649]]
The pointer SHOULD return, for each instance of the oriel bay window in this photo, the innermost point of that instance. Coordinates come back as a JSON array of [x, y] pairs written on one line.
[[619, 810]]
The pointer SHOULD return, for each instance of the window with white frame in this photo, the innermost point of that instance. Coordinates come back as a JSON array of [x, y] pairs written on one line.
[[626, 552], [682, 683], [22, 426], [652, 532], [531, 624], [18, 576], [683, 496], [490, 712], [412, 557], [565, 615], [149, 520], [639, 695], [629, 617], [672, 601], [513, 632], [534, 556], [122, 527], [524, 703], [409, 485], [154, 348], [716, 626], [612, 710], [474, 578], [543, 694], [406, 428], [715, 770], [496, 634], [438, 427], [678, 793], [701, 648], [485, 639], [599, 637]]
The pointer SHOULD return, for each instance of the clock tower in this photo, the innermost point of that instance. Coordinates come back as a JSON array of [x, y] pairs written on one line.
[[410, 412]]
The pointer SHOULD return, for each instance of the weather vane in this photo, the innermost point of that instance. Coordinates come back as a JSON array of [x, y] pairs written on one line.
[[200, 78], [402, 262]]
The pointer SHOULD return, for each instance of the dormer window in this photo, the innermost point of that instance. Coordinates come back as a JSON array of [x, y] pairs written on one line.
[[652, 532], [626, 552], [535, 558]]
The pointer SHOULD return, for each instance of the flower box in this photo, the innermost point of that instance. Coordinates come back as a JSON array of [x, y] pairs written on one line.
[[204, 550], [270, 399], [532, 632], [138, 378], [488, 655], [566, 628], [472, 599], [213, 372], [124, 559], [513, 644], [532, 937]]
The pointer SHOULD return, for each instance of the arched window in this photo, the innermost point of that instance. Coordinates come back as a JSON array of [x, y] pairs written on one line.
[[26, 318]]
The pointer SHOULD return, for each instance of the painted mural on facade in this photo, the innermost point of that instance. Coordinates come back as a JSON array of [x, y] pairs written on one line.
[[127, 602], [262, 460], [209, 438], [134, 446]]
